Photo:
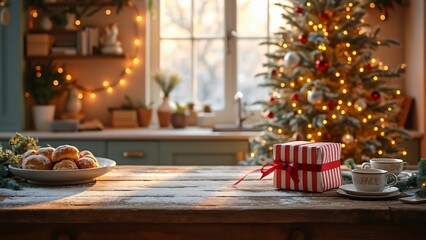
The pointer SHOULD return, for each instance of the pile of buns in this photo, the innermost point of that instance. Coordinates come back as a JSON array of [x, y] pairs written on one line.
[[64, 157]]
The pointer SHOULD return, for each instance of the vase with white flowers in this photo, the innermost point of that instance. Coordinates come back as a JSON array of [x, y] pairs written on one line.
[[167, 82]]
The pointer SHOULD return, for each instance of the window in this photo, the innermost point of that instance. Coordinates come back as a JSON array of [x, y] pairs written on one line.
[[215, 46]]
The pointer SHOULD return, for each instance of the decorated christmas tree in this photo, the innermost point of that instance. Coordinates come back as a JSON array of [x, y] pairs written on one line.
[[325, 84]]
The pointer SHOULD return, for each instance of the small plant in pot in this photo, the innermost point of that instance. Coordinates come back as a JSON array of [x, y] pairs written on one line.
[[43, 83], [167, 82], [144, 113], [179, 117]]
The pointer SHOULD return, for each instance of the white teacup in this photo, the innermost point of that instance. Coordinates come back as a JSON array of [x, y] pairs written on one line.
[[392, 165], [372, 180]]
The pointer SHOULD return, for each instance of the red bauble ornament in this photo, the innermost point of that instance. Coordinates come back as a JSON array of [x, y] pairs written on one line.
[[273, 72], [271, 99], [369, 67], [329, 136], [324, 15], [330, 105], [321, 65], [270, 115], [295, 97], [303, 38], [298, 9], [375, 96]]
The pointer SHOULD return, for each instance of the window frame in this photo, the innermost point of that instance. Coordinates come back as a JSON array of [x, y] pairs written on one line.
[[227, 115]]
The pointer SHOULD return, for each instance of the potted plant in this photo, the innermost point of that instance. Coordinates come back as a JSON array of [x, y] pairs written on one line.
[[43, 83], [144, 113], [167, 82], [179, 117], [192, 115]]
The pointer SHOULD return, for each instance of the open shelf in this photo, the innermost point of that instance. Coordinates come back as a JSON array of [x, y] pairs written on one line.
[[99, 56]]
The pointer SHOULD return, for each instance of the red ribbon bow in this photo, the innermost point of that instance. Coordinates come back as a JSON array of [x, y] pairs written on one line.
[[290, 168], [267, 169]]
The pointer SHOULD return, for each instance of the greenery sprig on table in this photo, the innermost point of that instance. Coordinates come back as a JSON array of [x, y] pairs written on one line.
[[18, 145]]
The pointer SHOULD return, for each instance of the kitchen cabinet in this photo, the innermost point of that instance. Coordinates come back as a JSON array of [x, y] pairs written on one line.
[[11, 68], [202, 152], [133, 152]]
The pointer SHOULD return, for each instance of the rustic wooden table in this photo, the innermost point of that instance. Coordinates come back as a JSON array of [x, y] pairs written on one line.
[[193, 202]]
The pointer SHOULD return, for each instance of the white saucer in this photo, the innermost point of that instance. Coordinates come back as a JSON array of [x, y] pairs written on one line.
[[350, 189], [391, 195]]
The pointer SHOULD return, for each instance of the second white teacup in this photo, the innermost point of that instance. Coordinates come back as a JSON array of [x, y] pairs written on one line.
[[372, 180], [392, 165]]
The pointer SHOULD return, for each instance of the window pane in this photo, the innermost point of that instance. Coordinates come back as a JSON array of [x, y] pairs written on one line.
[[208, 18], [252, 18], [175, 57], [175, 18], [210, 72], [275, 19], [250, 60]]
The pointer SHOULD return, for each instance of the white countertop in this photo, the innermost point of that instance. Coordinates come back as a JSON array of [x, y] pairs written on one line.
[[189, 133]]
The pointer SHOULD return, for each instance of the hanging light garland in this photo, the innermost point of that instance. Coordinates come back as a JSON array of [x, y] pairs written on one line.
[[123, 77]]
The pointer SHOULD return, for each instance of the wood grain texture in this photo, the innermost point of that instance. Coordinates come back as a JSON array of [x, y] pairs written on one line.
[[185, 202]]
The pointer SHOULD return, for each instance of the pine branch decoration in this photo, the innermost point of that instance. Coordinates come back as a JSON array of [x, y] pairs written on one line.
[[18, 144]]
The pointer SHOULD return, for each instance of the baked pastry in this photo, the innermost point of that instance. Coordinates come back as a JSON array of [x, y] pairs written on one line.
[[46, 151], [86, 153], [38, 162], [87, 162], [65, 152], [29, 153], [65, 164]]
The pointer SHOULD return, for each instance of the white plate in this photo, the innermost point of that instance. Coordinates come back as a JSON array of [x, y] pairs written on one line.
[[64, 177], [391, 195], [350, 188]]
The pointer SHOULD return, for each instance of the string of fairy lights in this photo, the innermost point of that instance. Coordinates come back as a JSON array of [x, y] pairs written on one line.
[[342, 106], [107, 86]]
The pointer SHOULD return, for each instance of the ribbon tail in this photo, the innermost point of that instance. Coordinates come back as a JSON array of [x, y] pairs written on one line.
[[294, 175], [265, 172], [241, 179]]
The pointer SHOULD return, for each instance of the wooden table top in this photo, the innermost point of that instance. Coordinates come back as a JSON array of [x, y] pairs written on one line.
[[192, 194]]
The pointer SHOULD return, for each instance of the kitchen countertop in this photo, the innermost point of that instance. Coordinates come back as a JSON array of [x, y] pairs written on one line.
[[189, 133], [190, 202]]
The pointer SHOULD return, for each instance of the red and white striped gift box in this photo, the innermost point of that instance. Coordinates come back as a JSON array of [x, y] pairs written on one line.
[[307, 166]]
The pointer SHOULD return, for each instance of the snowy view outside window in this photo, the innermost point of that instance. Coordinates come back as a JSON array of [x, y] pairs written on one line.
[[215, 46]]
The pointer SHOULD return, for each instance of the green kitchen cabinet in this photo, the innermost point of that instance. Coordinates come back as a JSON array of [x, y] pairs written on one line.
[[133, 152], [182, 152]]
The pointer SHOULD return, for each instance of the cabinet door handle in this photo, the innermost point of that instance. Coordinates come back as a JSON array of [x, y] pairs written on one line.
[[131, 154]]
